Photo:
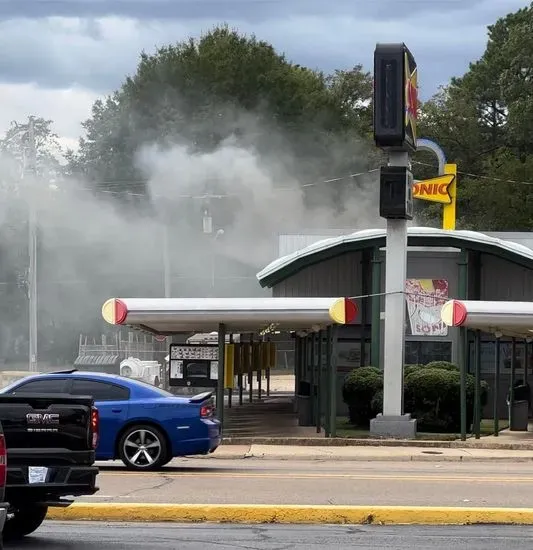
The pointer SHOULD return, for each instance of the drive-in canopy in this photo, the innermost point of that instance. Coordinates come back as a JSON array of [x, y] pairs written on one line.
[[169, 316], [506, 318]]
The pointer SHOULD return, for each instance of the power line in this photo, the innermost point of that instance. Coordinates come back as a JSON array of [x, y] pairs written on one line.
[[480, 176], [204, 196]]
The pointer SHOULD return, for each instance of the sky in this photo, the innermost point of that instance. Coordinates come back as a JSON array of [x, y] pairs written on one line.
[[59, 56]]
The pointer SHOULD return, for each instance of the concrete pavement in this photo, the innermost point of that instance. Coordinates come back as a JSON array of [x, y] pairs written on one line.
[[84, 536], [364, 483], [367, 452]]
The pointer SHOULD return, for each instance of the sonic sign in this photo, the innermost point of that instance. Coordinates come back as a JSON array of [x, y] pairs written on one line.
[[443, 190]]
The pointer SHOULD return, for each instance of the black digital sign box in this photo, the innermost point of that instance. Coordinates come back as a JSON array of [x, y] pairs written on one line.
[[395, 97]]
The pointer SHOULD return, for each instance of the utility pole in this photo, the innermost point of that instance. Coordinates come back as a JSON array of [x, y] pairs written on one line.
[[32, 246]]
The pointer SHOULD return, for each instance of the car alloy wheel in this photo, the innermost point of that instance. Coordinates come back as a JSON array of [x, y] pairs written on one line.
[[142, 448]]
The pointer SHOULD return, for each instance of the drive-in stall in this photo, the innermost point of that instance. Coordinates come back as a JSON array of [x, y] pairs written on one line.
[[498, 319], [257, 317]]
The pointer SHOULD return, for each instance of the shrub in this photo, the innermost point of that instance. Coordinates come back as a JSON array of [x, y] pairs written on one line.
[[444, 365], [433, 397], [408, 369], [358, 390]]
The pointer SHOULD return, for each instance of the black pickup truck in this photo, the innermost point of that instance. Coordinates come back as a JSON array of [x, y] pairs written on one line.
[[51, 442]]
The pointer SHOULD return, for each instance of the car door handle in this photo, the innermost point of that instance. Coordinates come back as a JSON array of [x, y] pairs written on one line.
[[116, 410]]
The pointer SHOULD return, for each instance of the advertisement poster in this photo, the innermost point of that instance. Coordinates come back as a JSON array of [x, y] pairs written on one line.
[[425, 298]]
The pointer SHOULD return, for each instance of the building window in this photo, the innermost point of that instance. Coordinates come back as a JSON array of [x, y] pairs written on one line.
[[423, 352], [487, 358]]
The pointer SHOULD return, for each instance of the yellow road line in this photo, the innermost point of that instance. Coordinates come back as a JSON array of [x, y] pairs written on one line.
[[257, 513], [292, 475]]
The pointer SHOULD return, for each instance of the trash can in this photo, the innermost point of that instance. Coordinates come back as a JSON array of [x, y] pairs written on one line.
[[518, 421], [305, 413]]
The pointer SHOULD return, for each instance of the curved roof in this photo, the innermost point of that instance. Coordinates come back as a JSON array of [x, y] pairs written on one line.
[[509, 318], [284, 267]]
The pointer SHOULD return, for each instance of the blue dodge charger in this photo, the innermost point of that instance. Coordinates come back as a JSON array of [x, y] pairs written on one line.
[[140, 424]]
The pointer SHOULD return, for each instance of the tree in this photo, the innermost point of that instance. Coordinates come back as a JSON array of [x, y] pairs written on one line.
[[484, 122], [197, 93], [15, 149]]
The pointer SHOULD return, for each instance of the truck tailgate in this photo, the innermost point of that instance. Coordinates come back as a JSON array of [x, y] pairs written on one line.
[[47, 426]]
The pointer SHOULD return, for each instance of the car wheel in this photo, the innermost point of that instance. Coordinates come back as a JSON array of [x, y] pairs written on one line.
[[24, 520], [143, 448]]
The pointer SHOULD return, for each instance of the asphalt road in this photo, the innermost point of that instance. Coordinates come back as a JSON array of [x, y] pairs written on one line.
[[98, 536], [256, 481]]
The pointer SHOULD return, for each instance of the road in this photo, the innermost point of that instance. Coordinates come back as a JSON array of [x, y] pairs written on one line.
[[94, 536], [256, 481]]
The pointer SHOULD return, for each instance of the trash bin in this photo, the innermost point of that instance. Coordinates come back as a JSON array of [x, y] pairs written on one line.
[[305, 413], [519, 417]]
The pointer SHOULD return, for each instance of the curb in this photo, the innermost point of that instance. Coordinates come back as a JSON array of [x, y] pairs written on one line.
[[292, 514], [349, 442]]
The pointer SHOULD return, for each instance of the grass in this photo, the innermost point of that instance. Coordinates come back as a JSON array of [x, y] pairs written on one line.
[[346, 430]]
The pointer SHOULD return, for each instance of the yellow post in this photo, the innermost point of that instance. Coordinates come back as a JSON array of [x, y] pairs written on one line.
[[229, 379], [449, 211]]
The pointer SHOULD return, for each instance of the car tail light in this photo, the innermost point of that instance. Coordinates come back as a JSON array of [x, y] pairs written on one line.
[[95, 425], [3, 461], [207, 411]]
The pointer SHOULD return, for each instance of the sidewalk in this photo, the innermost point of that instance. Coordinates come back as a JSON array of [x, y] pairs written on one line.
[[369, 453]]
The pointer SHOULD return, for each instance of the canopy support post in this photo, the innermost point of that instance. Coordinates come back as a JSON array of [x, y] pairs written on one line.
[[220, 380], [496, 413]]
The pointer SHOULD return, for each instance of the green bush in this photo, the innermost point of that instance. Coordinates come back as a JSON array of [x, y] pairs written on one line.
[[358, 390], [433, 397], [432, 394], [444, 365], [408, 369]]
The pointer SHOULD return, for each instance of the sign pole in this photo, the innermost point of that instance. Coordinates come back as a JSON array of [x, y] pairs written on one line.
[[395, 114], [395, 274], [449, 210]]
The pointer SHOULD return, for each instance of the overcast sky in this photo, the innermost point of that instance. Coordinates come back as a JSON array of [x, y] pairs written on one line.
[[58, 56]]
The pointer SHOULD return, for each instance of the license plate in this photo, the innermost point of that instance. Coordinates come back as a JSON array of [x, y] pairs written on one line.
[[37, 474]]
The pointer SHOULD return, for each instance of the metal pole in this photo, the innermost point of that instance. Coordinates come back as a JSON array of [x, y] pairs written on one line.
[[496, 386], [464, 362], [220, 381], [463, 342], [230, 389], [166, 262], [251, 370], [375, 338], [526, 360], [513, 380], [319, 383], [32, 250], [242, 363], [395, 274], [329, 353], [333, 384], [477, 389], [312, 380]]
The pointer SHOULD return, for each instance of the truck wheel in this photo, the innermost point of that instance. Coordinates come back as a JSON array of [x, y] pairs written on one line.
[[24, 521], [143, 448]]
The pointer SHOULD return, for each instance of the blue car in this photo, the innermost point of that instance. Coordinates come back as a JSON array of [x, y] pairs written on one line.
[[144, 426]]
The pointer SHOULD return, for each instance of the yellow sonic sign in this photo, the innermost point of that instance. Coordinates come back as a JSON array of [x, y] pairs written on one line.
[[443, 190], [435, 189]]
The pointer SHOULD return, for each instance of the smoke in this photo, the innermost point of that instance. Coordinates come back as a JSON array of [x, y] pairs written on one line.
[[221, 212]]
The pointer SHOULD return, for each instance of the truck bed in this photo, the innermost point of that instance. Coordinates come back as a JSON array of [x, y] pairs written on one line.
[[49, 446]]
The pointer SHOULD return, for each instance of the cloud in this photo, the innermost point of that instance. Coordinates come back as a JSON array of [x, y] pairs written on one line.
[[66, 107], [88, 47]]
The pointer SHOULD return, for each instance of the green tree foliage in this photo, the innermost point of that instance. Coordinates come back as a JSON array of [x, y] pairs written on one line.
[[484, 122], [200, 91]]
